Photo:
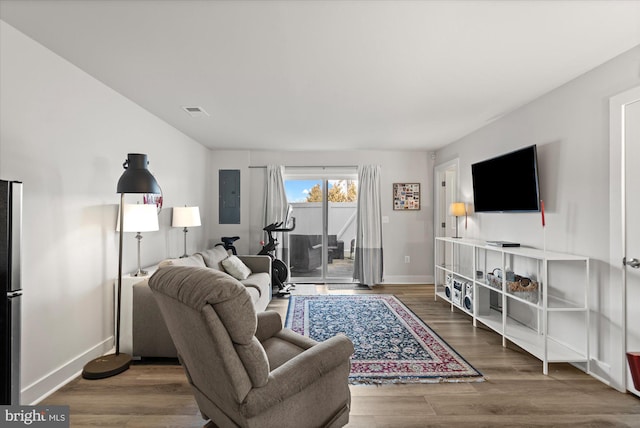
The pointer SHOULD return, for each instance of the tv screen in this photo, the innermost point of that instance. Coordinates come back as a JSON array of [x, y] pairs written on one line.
[[507, 183]]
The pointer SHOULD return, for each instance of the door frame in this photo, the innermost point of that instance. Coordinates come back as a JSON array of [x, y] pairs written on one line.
[[617, 228], [439, 172], [324, 174]]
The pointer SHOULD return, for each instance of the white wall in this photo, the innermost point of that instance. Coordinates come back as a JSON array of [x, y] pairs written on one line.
[[66, 135], [231, 159], [406, 234], [570, 125]]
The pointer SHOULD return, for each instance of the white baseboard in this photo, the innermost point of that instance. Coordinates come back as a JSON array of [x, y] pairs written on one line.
[[56, 379], [408, 279], [602, 371]]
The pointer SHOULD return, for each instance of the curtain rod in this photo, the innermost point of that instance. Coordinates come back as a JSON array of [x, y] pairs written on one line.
[[308, 166]]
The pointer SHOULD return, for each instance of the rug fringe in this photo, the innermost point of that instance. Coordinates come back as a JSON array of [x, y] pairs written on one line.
[[380, 382]]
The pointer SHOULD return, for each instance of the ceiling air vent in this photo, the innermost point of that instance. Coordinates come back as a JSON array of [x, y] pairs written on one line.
[[195, 111]]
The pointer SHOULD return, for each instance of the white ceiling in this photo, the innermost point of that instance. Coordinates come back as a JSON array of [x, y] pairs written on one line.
[[330, 75]]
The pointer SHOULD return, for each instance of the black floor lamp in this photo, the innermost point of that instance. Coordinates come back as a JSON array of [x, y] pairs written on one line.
[[135, 179]]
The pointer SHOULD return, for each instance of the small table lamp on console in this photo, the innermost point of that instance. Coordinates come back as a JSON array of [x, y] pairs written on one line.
[[185, 217], [458, 209], [135, 179]]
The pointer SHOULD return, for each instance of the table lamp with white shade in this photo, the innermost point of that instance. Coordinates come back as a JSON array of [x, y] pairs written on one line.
[[185, 217], [458, 209], [139, 218]]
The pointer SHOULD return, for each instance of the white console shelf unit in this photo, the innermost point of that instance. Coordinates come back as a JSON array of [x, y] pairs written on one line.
[[550, 321]]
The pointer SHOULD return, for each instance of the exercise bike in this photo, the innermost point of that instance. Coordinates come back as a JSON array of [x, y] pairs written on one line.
[[227, 243], [279, 269]]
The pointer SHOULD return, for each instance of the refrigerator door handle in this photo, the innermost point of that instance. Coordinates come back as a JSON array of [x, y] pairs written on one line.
[[16, 232]]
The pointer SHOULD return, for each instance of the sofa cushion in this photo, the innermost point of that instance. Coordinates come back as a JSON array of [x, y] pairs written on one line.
[[234, 267], [193, 260], [213, 257], [257, 281], [254, 293]]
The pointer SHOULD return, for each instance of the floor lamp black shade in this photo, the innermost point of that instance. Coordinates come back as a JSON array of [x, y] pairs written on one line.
[[135, 179]]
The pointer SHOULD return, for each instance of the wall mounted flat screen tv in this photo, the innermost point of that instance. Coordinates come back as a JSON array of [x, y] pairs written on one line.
[[507, 183]]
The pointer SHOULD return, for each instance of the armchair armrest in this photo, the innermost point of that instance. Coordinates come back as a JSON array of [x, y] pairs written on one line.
[[269, 323], [298, 373], [257, 263]]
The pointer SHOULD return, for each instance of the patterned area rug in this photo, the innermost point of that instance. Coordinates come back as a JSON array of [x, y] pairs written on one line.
[[392, 345]]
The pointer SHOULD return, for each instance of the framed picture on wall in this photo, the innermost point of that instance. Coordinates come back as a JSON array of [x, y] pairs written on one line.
[[406, 196]]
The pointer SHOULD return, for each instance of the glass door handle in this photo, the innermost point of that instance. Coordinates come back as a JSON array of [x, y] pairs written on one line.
[[634, 263]]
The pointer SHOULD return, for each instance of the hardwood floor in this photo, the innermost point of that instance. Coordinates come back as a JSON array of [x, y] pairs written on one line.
[[514, 394]]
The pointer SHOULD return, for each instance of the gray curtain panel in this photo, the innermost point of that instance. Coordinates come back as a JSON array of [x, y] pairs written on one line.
[[276, 204], [368, 265]]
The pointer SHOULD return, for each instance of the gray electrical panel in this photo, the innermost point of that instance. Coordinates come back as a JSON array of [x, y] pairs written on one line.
[[229, 196]]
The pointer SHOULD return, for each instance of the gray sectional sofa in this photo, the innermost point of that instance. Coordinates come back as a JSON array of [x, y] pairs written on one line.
[[150, 334]]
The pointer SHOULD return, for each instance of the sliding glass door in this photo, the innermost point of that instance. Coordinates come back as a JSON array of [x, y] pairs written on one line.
[[321, 248]]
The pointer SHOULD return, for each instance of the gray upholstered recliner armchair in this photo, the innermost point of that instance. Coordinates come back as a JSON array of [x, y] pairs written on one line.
[[245, 369]]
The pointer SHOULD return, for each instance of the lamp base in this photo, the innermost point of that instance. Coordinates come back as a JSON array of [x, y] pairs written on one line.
[[106, 366], [140, 273], [185, 230]]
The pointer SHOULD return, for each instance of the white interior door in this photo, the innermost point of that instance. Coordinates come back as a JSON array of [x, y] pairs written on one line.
[[632, 230], [446, 191]]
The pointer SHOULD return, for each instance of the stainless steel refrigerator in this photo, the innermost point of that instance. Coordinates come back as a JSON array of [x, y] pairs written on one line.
[[10, 290]]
